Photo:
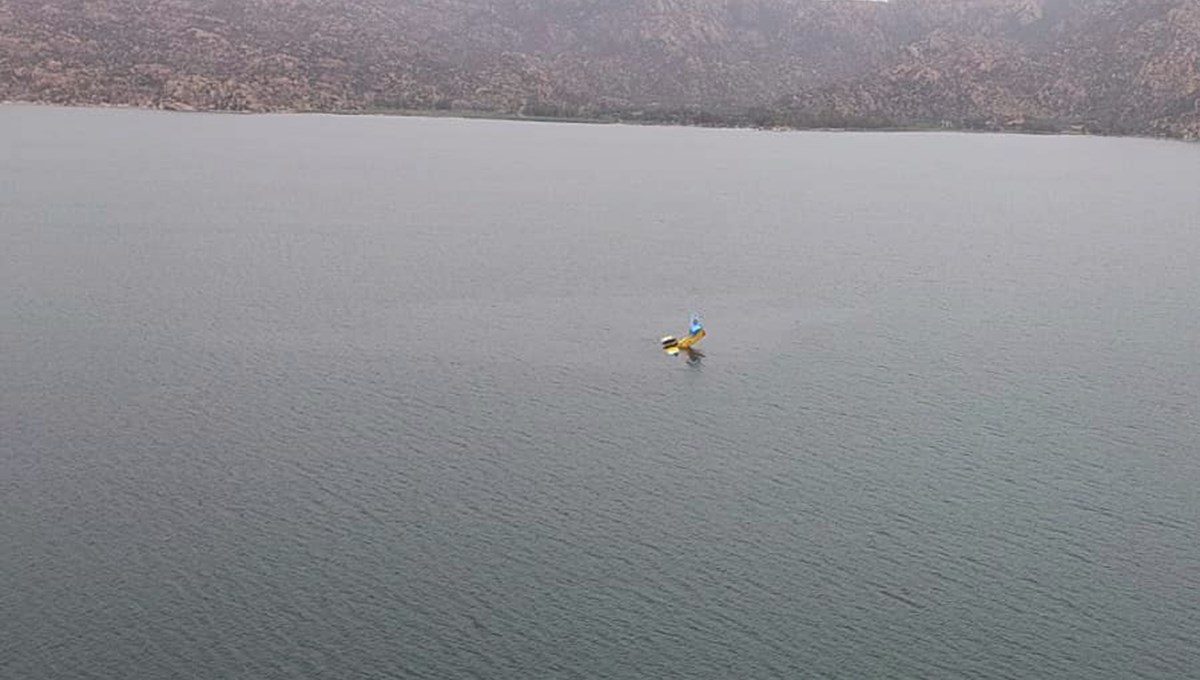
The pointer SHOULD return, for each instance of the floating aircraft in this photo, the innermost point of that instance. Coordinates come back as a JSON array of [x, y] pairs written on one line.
[[673, 345]]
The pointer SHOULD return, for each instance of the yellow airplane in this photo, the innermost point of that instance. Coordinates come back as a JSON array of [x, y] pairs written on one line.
[[673, 345]]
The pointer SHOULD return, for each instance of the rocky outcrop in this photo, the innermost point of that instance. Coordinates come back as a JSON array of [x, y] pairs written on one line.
[[1108, 66]]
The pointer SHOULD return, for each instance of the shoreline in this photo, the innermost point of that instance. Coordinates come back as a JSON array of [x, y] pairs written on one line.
[[614, 119]]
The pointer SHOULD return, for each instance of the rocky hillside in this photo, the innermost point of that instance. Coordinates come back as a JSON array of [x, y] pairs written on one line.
[[1109, 66]]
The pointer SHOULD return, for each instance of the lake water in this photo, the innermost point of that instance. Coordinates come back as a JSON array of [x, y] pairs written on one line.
[[356, 397]]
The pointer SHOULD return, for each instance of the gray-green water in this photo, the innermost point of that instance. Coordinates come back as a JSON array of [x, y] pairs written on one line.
[[372, 397]]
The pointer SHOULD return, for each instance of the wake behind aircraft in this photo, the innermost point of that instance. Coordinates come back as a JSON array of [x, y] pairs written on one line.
[[672, 345]]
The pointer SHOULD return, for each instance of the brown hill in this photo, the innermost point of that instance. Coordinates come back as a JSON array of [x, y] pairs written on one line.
[[1118, 66], [1113, 66]]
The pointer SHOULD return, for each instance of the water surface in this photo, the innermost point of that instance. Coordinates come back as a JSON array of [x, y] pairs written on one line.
[[308, 396]]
